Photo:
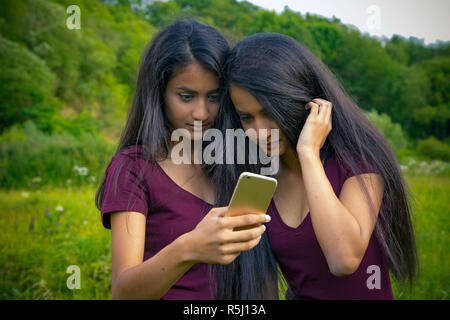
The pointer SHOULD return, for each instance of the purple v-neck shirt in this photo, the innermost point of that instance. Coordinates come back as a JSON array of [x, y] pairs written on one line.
[[303, 263], [170, 211]]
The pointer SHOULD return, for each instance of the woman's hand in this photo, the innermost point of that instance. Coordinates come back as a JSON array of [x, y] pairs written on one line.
[[214, 241], [316, 128]]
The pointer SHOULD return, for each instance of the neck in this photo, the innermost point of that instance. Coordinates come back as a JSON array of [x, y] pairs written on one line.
[[290, 162], [172, 144]]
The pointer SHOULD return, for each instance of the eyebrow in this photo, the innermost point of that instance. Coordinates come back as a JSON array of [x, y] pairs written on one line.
[[186, 89], [193, 91], [243, 112]]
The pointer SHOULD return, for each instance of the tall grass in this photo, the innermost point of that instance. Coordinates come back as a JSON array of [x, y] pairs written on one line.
[[431, 224], [46, 230], [30, 158], [43, 233]]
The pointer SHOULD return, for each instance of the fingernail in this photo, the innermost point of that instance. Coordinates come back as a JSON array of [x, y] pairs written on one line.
[[268, 218]]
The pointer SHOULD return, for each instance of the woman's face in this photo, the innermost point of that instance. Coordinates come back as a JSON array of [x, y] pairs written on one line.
[[253, 116], [192, 95]]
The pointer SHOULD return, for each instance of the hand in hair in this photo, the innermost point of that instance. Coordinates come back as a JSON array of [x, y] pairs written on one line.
[[316, 128]]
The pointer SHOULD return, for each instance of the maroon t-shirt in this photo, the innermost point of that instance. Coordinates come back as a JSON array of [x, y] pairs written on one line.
[[170, 211], [303, 263]]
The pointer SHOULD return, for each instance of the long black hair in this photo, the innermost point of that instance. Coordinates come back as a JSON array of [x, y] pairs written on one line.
[[283, 75], [175, 46]]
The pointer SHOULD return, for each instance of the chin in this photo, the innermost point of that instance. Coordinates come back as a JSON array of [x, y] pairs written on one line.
[[194, 139], [275, 154], [279, 152]]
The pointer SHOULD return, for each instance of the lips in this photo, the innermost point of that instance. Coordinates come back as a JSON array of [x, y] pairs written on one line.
[[269, 145], [203, 127]]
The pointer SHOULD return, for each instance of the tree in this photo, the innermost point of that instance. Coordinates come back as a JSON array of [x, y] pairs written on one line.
[[26, 85]]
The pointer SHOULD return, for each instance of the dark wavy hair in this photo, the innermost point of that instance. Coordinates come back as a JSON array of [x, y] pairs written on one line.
[[283, 75]]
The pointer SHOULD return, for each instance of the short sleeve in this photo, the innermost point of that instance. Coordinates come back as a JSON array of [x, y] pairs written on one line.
[[125, 188], [361, 167]]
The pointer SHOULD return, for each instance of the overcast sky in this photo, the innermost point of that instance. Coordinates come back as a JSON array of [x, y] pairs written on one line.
[[423, 19]]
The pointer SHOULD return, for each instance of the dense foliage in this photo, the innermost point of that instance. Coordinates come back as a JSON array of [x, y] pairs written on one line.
[[80, 81]]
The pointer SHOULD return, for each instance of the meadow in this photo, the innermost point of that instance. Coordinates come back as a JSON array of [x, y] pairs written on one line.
[[65, 95], [45, 230]]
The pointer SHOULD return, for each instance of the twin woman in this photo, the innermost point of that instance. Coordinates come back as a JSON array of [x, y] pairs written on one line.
[[339, 223]]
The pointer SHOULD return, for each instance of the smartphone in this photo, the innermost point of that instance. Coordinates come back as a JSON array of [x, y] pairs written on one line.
[[252, 194]]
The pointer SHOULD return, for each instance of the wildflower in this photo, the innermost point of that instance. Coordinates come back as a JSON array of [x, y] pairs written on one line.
[[83, 171], [59, 208], [36, 180], [47, 212], [25, 194], [32, 223]]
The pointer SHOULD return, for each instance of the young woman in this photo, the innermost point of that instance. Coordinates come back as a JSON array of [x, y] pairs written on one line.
[[340, 214], [164, 229]]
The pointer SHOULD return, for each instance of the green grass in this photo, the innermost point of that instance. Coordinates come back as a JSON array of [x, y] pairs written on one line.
[[34, 259], [431, 224], [27, 158]]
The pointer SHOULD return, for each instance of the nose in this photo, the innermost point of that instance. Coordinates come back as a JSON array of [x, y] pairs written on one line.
[[200, 111], [263, 127]]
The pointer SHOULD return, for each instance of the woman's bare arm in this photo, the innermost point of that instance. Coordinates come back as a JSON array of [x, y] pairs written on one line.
[[212, 241], [344, 225], [131, 277]]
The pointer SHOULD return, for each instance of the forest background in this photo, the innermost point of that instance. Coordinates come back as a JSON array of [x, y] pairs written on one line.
[[64, 98]]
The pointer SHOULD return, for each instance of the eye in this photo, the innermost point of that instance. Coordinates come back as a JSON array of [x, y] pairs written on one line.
[[245, 118], [213, 98], [186, 97]]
